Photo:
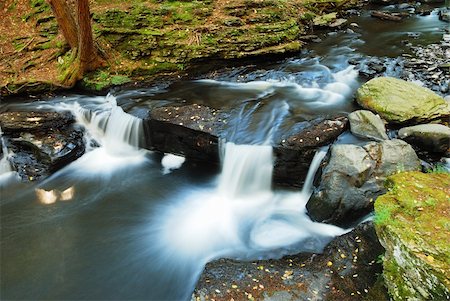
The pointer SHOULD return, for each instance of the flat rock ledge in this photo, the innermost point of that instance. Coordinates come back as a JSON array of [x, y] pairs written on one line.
[[40, 142], [195, 131], [346, 270]]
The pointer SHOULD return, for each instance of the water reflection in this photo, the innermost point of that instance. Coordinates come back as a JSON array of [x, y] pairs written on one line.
[[50, 197]]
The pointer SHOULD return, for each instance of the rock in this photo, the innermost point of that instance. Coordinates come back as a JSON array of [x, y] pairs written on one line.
[[412, 223], [353, 177], [365, 124], [294, 154], [385, 16], [399, 101], [325, 20], [191, 131], [444, 15], [33, 121], [41, 142], [194, 131], [432, 137], [345, 271]]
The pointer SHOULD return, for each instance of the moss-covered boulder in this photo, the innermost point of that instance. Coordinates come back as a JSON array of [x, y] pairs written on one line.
[[413, 223], [399, 101]]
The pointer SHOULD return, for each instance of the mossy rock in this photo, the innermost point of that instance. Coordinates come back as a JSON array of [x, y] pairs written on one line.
[[412, 221], [399, 101]]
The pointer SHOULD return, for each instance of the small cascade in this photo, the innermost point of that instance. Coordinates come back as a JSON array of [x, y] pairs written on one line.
[[108, 125], [315, 163], [5, 165], [247, 169]]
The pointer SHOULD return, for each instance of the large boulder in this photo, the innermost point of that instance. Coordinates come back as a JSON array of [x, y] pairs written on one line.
[[412, 221], [399, 101], [345, 271], [432, 137], [353, 177], [366, 124]]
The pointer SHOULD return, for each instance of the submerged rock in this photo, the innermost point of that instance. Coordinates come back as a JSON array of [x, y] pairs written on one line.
[[40, 142], [353, 177], [347, 270], [365, 124], [398, 101], [412, 222], [432, 137]]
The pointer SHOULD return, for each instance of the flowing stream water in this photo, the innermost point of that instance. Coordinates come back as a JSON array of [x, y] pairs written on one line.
[[120, 223]]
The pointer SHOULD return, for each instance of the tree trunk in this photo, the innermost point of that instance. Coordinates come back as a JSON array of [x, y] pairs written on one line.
[[87, 53], [74, 19], [65, 21]]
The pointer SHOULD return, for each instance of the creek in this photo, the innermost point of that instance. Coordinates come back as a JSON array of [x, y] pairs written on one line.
[[122, 222]]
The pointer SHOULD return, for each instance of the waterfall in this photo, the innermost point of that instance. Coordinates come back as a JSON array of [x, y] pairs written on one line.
[[5, 165], [110, 126], [313, 167], [247, 169]]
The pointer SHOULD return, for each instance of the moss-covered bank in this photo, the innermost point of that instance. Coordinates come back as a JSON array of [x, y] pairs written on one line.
[[143, 38], [413, 224]]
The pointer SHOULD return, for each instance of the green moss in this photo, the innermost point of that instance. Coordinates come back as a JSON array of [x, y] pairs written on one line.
[[102, 79], [412, 221]]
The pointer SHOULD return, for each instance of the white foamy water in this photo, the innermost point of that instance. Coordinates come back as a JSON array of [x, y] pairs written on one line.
[[242, 217], [331, 91], [171, 162]]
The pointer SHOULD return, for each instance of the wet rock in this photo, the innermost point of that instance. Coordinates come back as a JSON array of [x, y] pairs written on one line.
[[411, 223], [399, 101], [194, 131], [429, 66], [386, 16], [365, 124], [13, 122], [40, 142], [191, 131], [353, 177], [295, 153], [432, 137], [444, 15], [347, 270]]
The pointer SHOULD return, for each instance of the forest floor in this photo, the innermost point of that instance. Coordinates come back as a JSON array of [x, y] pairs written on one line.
[[142, 39]]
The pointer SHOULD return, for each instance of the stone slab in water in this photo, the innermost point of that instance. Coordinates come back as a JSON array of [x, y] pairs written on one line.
[[41, 142], [412, 222], [194, 131], [399, 101], [33, 121], [347, 270], [295, 153], [190, 131]]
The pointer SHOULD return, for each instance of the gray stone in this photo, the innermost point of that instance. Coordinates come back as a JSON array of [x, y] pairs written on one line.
[[432, 137], [366, 124], [353, 177]]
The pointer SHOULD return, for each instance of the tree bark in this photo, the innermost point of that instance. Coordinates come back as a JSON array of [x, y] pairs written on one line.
[[87, 52], [74, 19], [65, 21]]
